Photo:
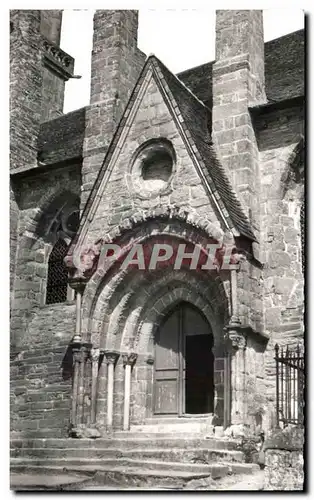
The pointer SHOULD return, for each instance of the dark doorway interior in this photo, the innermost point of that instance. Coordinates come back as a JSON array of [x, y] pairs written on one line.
[[199, 388]]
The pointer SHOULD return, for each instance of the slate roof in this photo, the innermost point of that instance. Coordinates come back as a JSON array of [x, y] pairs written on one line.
[[193, 116], [284, 71], [62, 139]]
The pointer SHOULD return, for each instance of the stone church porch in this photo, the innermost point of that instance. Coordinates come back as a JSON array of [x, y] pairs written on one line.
[[160, 348]]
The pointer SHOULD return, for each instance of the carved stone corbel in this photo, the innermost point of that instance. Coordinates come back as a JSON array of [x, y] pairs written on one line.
[[238, 340]]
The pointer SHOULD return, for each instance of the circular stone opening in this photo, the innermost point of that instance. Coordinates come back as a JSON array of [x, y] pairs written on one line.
[[157, 169], [153, 167]]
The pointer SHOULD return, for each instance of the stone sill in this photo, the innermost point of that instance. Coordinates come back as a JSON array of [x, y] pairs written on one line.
[[59, 304]]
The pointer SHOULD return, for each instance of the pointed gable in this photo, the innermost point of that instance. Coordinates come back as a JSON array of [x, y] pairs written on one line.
[[195, 117], [191, 118]]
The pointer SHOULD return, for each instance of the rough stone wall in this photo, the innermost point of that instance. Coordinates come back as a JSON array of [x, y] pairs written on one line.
[[141, 390], [277, 134], [25, 103], [58, 67], [40, 390], [25, 86], [37, 381], [36, 195], [153, 120], [14, 220], [255, 398], [116, 65], [53, 95], [284, 460], [50, 25], [250, 296], [238, 81]]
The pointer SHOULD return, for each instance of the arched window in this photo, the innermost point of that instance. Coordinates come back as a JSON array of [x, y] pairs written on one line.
[[57, 282]]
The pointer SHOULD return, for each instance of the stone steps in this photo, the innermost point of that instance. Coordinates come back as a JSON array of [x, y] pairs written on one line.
[[175, 419], [70, 464], [199, 424], [130, 441], [40, 482], [111, 476], [38, 434], [108, 463], [127, 459], [178, 428], [191, 455], [137, 474]]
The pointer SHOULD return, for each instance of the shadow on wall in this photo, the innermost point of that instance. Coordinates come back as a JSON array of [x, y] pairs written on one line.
[[67, 365]]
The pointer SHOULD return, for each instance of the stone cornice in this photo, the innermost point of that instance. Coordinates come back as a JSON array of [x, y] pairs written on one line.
[[235, 330], [57, 60]]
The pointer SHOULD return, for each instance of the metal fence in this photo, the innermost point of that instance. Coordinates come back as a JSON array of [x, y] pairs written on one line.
[[289, 385]]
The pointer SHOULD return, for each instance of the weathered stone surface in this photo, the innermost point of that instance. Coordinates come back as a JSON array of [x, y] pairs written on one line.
[[284, 459], [57, 162]]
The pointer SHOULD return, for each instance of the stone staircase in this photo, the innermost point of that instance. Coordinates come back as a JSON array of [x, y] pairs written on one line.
[[140, 458]]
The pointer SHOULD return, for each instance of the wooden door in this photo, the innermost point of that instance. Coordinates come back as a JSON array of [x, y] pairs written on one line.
[[183, 381], [198, 363], [167, 366]]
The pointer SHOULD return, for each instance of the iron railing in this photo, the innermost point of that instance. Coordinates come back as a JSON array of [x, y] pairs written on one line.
[[289, 385]]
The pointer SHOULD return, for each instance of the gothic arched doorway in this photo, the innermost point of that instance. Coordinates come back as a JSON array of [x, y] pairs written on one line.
[[184, 363]]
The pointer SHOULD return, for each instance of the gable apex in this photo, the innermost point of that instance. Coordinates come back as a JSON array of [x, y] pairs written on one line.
[[191, 118]]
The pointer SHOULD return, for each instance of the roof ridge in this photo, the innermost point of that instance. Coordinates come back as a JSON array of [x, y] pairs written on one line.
[[180, 82]]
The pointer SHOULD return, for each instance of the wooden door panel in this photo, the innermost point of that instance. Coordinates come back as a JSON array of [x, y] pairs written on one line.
[[184, 371], [166, 399], [166, 387]]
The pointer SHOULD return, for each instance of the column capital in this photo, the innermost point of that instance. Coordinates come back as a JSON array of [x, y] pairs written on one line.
[[129, 358], [238, 341], [94, 354], [111, 357], [236, 335], [77, 283]]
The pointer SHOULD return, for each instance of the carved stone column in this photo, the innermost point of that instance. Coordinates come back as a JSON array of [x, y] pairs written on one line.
[[77, 357], [128, 362], [81, 384], [78, 286], [101, 398], [237, 344], [111, 358], [94, 358]]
